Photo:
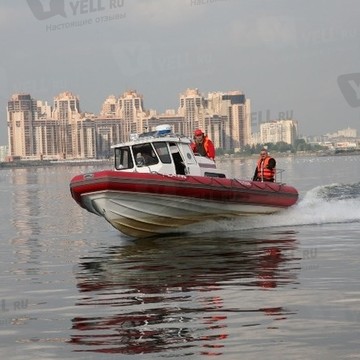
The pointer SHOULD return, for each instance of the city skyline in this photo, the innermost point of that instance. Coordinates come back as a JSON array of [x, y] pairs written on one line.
[[38, 130], [150, 109], [287, 56], [257, 117], [111, 102]]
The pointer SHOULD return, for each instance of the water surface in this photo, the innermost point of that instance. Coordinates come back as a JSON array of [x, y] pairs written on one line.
[[282, 286]]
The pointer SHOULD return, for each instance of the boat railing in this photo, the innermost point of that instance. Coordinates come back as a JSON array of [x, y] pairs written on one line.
[[279, 175]]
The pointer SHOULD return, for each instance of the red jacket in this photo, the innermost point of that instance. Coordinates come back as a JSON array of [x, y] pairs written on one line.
[[207, 149]]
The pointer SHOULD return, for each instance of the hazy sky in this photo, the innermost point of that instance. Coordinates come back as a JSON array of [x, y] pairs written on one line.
[[285, 55]]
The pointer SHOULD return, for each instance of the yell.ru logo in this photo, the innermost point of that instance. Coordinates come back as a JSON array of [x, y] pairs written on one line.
[[349, 85], [56, 7], [78, 13]]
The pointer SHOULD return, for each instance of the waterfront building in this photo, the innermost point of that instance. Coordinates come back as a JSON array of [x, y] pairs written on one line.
[[279, 131], [234, 111], [191, 108], [46, 133], [108, 108], [37, 130], [130, 109], [108, 132], [67, 111], [255, 138], [31, 131], [21, 109], [344, 133], [176, 121], [4, 150]]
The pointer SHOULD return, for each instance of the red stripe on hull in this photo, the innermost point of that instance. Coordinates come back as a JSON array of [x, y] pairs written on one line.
[[209, 188]]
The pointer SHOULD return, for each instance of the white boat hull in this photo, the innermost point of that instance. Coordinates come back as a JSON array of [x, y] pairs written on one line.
[[143, 215]]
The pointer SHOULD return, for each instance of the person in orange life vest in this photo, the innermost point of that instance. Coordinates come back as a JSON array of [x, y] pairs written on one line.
[[265, 168], [203, 145]]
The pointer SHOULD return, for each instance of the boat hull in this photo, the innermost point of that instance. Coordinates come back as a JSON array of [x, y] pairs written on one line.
[[143, 205]]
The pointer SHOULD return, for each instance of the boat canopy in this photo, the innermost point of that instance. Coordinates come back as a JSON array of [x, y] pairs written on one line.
[[164, 152]]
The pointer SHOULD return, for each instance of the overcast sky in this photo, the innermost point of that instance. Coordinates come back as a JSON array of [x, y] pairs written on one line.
[[296, 56]]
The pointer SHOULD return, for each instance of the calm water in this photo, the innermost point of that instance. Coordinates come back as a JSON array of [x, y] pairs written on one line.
[[281, 287]]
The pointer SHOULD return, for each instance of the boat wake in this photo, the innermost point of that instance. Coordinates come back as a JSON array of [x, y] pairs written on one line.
[[336, 203]]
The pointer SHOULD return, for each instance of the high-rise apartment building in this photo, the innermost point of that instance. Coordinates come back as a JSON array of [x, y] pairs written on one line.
[[130, 109], [108, 109], [31, 131], [67, 111], [21, 112], [171, 118], [4, 150], [279, 131], [192, 109], [108, 131], [234, 110], [66, 106], [45, 131]]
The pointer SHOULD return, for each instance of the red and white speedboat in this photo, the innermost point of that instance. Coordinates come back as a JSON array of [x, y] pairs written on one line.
[[159, 185]]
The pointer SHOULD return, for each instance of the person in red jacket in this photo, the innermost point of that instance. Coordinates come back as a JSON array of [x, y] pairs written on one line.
[[203, 145], [265, 168]]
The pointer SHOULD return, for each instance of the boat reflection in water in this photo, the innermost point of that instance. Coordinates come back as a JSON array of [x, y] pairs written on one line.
[[183, 295]]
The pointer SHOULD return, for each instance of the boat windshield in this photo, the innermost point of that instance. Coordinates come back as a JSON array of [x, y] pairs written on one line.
[[163, 151], [144, 155], [123, 158]]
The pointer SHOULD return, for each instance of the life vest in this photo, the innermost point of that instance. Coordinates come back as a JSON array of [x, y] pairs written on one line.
[[263, 172], [206, 148]]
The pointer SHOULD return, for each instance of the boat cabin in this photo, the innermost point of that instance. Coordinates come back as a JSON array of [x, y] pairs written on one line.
[[163, 152]]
